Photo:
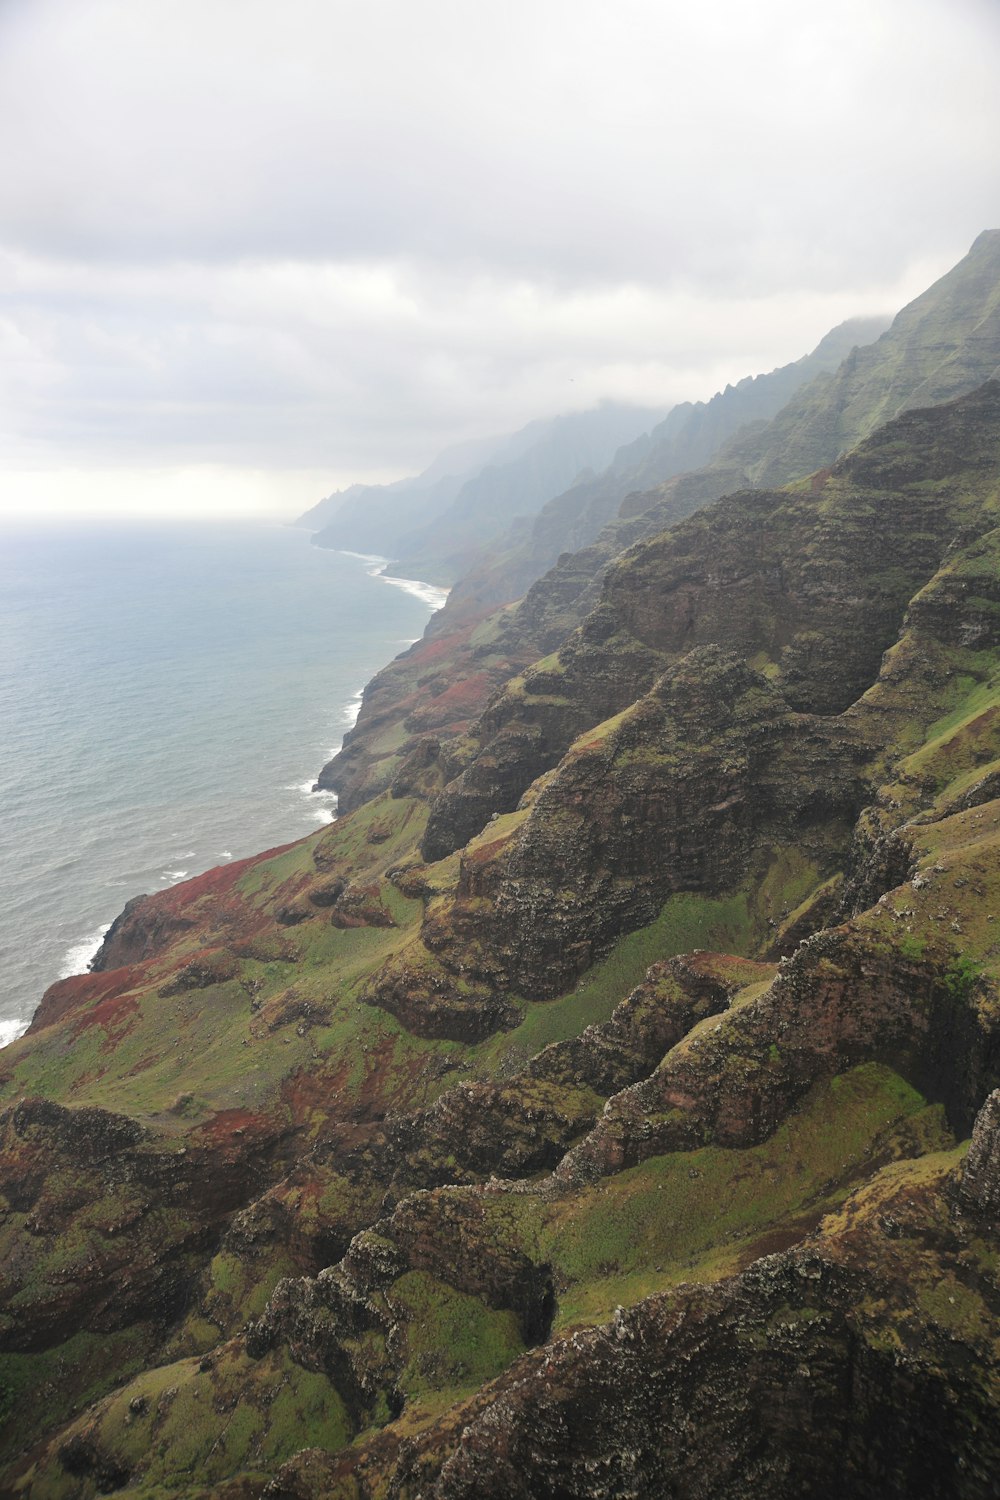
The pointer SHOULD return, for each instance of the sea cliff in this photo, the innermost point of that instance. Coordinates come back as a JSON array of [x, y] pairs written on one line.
[[606, 1104]]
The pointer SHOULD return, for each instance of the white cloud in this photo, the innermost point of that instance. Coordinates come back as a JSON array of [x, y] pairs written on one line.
[[334, 237]]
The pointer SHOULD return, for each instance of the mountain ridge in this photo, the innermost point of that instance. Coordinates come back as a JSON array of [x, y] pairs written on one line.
[[687, 437], [608, 1105], [456, 513]]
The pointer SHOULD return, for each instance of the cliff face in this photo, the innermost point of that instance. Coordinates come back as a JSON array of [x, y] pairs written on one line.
[[436, 526], [688, 437], [616, 1115], [945, 342], [769, 573]]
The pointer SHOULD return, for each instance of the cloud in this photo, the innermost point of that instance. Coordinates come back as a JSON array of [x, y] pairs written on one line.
[[359, 367], [338, 236]]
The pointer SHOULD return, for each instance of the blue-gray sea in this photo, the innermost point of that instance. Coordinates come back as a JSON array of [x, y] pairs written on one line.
[[168, 694]]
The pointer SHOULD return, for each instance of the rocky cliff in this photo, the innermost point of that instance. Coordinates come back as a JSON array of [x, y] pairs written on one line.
[[611, 1106], [687, 438], [946, 341], [438, 525]]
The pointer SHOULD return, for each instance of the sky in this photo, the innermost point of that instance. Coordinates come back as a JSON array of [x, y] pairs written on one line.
[[252, 252]]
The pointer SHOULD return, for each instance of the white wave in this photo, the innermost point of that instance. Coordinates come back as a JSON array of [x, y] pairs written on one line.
[[372, 557], [11, 1030], [323, 804], [225, 854], [428, 592], [173, 876], [350, 713], [77, 959]]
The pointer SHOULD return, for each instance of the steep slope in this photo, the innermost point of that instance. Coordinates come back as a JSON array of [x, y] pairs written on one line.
[[774, 574], [879, 1254], [445, 524], [949, 334], [370, 517], [688, 437], [622, 1151], [945, 342]]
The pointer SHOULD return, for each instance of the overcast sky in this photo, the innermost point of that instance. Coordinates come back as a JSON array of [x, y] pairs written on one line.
[[252, 250]]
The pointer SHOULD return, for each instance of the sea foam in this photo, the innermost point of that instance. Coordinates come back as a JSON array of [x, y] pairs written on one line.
[[350, 713], [251, 696], [428, 593], [10, 1031], [77, 960], [322, 804]]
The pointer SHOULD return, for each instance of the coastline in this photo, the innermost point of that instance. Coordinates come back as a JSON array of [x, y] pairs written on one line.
[[431, 594], [74, 954]]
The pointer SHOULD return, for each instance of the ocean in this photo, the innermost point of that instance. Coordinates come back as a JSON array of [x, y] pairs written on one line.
[[168, 694]]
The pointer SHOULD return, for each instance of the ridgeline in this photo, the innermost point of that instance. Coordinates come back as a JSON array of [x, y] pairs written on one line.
[[608, 1103]]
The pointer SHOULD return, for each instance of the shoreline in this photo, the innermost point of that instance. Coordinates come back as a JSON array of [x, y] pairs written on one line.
[[434, 595], [77, 957]]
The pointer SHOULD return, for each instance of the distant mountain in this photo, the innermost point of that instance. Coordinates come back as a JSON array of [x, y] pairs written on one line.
[[941, 345], [432, 525], [648, 1144], [688, 437], [371, 517], [950, 332], [944, 343]]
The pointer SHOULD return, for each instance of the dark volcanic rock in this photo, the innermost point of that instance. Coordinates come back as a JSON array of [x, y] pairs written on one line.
[[843, 998], [680, 794], [813, 582], [139, 931], [763, 1386], [980, 1183]]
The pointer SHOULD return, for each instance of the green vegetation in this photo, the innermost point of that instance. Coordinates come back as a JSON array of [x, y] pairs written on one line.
[[453, 1341], [960, 977], [700, 1214], [201, 1420]]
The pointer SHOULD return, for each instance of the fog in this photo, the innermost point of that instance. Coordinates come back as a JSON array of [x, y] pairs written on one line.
[[250, 253]]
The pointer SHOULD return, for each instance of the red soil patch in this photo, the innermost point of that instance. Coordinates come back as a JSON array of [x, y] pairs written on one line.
[[330, 1092], [309, 1091], [201, 909], [84, 989], [114, 1014], [726, 966], [227, 1123], [426, 653], [486, 853], [149, 1061], [461, 699], [219, 881]]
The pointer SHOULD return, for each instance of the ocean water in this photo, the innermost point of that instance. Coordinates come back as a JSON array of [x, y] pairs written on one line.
[[168, 694]]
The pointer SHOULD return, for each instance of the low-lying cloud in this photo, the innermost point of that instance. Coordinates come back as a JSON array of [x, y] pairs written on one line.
[[336, 237]]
